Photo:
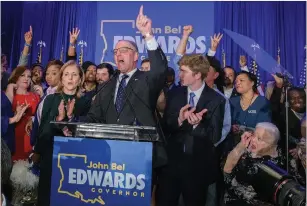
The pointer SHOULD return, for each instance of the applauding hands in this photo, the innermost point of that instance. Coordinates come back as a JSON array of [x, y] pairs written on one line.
[[20, 111], [193, 118], [61, 109]]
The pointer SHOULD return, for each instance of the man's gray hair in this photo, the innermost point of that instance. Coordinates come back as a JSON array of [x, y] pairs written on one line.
[[271, 129]]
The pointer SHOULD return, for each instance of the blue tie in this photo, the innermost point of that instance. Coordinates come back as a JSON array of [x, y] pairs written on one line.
[[119, 103], [191, 101]]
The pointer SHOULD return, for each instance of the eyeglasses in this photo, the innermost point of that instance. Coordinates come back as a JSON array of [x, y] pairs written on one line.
[[122, 50]]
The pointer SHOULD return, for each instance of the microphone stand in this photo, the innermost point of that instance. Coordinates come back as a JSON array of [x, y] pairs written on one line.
[[286, 86], [287, 127]]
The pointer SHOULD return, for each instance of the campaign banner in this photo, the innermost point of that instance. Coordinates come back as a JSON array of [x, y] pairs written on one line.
[[117, 21], [88, 171]]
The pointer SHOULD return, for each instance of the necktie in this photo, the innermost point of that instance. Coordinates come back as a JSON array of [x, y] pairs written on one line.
[[119, 103], [191, 103], [191, 100]]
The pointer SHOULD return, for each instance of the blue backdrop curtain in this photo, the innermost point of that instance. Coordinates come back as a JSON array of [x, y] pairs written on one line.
[[51, 22], [270, 24]]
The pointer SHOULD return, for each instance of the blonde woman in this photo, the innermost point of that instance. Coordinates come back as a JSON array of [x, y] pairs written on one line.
[[67, 103]]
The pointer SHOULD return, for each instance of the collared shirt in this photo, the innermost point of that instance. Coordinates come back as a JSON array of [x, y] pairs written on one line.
[[130, 74], [197, 94], [151, 44], [196, 97], [228, 92], [50, 90], [226, 121]]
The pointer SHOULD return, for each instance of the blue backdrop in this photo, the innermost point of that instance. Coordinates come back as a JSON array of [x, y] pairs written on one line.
[[271, 24]]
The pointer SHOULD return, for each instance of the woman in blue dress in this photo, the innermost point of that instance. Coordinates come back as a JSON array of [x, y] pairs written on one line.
[[249, 108]]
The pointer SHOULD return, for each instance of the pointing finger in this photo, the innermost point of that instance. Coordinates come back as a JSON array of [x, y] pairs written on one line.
[[141, 10]]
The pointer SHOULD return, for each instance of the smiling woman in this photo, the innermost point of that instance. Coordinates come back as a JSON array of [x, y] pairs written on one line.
[[66, 104], [18, 93]]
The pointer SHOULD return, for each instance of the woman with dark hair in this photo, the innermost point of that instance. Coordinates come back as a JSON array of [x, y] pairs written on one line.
[[52, 78], [249, 108], [66, 104], [18, 93]]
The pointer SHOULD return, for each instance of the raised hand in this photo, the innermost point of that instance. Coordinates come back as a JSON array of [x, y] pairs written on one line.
[[279, 81], [187, 30], [70, 107], [143, 23], [21, 112], [215, 41], [61, 111], [39, 90], [294, 153], [28, 36], [194, 119], [73, 36], [243, 61], [11, 87], [245, 139]]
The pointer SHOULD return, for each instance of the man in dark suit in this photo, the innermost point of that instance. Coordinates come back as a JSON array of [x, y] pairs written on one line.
[[131, 97], [193, 123]]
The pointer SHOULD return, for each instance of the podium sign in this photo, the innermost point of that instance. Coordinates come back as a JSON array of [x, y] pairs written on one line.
[[88, 171]]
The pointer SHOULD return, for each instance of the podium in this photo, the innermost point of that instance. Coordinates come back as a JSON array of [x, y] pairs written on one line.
[[102, 164]]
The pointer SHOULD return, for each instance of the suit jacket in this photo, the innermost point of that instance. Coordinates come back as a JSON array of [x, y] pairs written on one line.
[[199, 142], [294, 129], [142, 91]]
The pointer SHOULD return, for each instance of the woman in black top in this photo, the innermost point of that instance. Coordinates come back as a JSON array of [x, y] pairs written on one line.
[[240, 169], [65, 105]]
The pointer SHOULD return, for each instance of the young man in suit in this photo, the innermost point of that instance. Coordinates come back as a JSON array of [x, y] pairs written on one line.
[[193, 123], [131, 96]]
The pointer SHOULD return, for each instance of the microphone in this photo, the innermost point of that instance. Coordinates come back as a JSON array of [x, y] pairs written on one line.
[[115, 74]]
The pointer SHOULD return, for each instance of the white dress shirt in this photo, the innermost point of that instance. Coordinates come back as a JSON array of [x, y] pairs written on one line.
[[50, 90], [130, 74], [197, 94], [196, 97], [228, 92], [226, 121]]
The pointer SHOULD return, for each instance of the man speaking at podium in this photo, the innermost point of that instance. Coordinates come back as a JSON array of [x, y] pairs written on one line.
[[130, 97]]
